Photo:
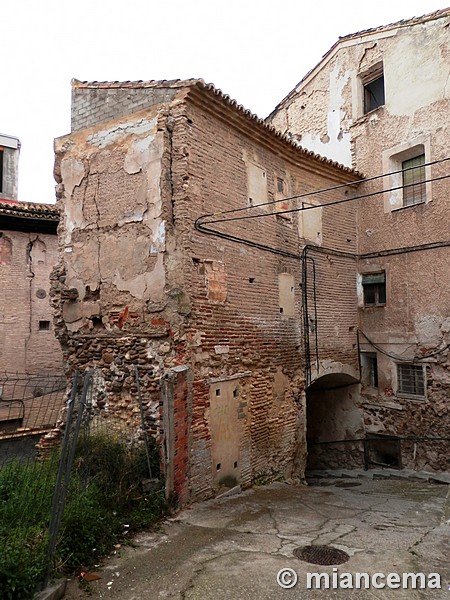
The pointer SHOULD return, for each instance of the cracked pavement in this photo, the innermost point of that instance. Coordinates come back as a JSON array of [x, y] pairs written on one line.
[[233, 547]]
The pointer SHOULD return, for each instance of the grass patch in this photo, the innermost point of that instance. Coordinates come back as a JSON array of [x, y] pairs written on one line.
[[104, 494]]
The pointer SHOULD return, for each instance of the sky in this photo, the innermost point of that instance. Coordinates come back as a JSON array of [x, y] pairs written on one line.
[[254, 51]]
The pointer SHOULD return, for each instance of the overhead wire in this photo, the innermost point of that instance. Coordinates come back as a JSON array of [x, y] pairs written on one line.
[[401, 358], [200, 220], [329, 189]]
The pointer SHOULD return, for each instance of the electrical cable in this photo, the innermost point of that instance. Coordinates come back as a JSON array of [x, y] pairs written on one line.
[[329, 189], [199, 224], [401, 358]]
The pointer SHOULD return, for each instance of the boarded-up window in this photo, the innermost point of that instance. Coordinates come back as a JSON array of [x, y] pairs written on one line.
[[256, 184], [414, 191], [286, 283], [310, 222], [5, 250]]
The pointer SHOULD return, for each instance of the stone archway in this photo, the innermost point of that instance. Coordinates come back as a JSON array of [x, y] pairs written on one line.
[[332, 415]]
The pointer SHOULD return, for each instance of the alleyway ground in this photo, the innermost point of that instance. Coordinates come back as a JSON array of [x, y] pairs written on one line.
[[232, 548]]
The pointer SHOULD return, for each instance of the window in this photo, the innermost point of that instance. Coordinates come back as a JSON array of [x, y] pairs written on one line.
[[44, 325], [410, 172], [411, 381], [373, 85], [369, 367], [280, 195], [414, 180], [374, 288]]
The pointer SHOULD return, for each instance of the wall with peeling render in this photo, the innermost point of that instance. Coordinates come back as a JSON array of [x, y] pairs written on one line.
[[26, 260], [217, 320], [325, 113]]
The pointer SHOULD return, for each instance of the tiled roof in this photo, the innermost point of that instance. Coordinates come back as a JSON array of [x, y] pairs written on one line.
[[227, 100], [28, 210], [402, 23]]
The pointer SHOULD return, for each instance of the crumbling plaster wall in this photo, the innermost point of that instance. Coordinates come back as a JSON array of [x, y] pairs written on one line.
[[137, 284], [416, 63], [325, 112], [114, 304]]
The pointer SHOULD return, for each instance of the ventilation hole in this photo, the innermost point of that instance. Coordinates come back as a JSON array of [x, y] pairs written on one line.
[[251, 279], [235, 464], [44, 325], [321, 555], [235, 393], [218, 392], [281, 309], [218, 466]]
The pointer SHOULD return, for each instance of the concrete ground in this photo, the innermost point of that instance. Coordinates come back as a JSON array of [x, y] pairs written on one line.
[[233, 548]]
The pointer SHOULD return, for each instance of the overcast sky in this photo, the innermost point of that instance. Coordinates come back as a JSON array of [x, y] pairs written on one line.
[[255, 51]]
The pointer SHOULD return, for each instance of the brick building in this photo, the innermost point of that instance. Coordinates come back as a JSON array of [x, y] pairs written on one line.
[[28, 252], [379, 101], [211, 318]]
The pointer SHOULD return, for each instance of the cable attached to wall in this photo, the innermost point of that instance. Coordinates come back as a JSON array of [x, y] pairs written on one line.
[[401, 358]]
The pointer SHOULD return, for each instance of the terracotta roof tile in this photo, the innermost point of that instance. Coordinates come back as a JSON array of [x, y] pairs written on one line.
[[28, 210]]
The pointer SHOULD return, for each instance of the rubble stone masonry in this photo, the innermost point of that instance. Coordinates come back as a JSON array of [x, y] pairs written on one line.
[[217, 319]]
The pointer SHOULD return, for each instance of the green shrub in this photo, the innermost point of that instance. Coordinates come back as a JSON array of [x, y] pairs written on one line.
[[104, 494]]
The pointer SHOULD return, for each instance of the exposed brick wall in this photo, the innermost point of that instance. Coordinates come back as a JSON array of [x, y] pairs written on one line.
[[236, 324], [138, 284], [26, 261]]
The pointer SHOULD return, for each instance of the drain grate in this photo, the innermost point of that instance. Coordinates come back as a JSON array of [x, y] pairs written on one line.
[[321, 555]]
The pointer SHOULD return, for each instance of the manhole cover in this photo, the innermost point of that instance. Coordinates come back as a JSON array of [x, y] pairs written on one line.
[[321, 555]]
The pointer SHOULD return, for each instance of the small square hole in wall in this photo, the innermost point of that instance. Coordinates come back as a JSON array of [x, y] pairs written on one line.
[[44, 325], [235, 464], [218, 466], [218, 392], [251, 279], [281, 309], [235, 392]]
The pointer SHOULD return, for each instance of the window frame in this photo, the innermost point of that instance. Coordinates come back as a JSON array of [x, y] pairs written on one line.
[[414, 189], [369, 368], [377, 285], [368, 81], [419, 383], [393, 160]]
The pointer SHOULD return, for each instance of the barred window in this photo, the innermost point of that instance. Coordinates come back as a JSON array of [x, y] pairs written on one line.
[[414, 191], [411, 381]]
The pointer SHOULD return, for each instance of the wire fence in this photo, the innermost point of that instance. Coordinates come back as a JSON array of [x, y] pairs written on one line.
[[29, 406], [83, 479]]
